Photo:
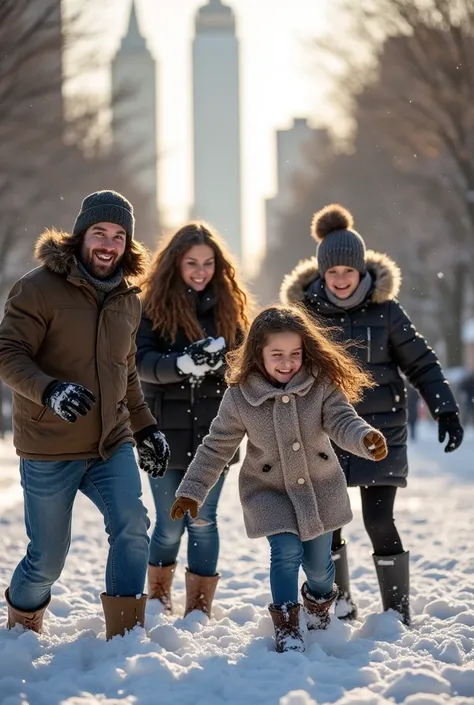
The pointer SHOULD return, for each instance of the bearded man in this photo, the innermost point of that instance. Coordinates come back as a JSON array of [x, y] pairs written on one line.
[[67, 350]]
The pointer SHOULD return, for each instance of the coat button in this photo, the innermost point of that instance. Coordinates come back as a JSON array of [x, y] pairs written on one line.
[[285, 399], [296, 446], [301, 480]]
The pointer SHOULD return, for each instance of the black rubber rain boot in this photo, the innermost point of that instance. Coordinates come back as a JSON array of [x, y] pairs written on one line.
[[393, 573], [345, 607]]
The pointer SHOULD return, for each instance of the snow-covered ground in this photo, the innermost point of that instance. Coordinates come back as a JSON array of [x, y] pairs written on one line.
[[231, 659]]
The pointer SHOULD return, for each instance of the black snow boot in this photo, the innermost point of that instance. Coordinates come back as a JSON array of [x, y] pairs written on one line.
[[393, 573], [345, 607]]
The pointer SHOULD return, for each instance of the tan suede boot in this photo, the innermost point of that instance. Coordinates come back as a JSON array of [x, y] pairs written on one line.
[[317, 610], [160, 579], [286, 622], [122, 614], [28, 620], [200, 592]]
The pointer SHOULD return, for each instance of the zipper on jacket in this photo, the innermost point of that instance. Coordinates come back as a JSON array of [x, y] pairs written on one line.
[[369, 341]]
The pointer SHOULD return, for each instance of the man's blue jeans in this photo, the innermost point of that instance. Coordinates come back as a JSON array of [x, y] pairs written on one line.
[[49, 490], [203, 536], [287, 554]]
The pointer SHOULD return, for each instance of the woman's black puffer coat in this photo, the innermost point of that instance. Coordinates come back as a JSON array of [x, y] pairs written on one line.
[[389, 343], [184, 411]]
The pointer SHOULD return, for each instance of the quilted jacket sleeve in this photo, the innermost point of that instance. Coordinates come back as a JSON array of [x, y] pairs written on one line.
[[419, 362]]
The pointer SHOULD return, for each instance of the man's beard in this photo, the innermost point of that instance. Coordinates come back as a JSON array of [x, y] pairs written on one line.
[[100, 270]]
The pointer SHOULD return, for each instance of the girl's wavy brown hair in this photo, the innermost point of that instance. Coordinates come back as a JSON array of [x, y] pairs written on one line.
[[165, 296], [321, 354]]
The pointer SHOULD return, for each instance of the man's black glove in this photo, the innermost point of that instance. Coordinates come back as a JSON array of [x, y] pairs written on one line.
[[196, 351], [448, 423], [68, 400], [153, 451]]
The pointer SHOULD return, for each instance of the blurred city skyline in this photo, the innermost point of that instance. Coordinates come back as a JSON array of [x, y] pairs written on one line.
[[280, 80]]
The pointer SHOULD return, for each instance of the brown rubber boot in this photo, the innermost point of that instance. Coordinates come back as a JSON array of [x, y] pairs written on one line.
[[317, 610], [28, 620], [122, 614], [200, 592], [286, 622], [160, 579]]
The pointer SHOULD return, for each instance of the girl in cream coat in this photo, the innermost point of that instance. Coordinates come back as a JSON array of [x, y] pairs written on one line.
[[290, 392]]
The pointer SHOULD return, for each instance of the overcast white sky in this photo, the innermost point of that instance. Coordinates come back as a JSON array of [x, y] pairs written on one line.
[[280, 79]]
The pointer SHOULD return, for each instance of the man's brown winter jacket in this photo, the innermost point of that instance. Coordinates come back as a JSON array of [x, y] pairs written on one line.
[[55, 329]]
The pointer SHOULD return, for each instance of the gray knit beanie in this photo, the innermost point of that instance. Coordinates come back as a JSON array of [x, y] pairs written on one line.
[[105, 207], [339, 243]]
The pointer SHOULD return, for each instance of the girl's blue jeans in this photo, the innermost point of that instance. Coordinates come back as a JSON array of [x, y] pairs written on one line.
[[287, 554]]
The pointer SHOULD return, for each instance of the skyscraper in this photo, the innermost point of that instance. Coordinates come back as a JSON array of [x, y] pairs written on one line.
[[134, 115], [216, 122], [299, 150]]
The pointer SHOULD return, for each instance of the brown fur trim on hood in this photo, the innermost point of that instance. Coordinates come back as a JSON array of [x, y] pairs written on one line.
[[55, 250], [385, 272]]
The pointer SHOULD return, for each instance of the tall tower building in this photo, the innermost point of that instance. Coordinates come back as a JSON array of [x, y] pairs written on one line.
[[216, 121], [134, 117], [299, 150]]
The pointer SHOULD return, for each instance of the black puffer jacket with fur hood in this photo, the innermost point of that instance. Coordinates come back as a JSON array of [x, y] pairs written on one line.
[[387, 344]]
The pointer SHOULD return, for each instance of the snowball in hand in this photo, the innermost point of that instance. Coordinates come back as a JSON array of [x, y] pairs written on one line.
[[187, 366], [215, 345]]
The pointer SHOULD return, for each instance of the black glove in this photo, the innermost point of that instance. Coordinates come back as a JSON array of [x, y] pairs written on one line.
[[196, 351], [448, 423], [217, 358], [153, 451], [68, 400]]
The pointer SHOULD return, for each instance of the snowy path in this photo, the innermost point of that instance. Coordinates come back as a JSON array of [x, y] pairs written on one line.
[[230, 660]]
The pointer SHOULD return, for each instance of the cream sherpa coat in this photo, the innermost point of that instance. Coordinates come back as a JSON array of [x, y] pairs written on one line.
[[290, 480]]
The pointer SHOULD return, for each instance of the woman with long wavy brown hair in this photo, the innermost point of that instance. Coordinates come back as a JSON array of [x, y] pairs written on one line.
[[194, 311]]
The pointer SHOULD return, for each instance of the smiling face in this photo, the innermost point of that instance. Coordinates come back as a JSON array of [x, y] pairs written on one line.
[[283, 356], [197, 267], [342, 281], [102, 249]]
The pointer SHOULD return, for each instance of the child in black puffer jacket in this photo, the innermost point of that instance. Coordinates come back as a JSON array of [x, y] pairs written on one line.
[[355, 291]]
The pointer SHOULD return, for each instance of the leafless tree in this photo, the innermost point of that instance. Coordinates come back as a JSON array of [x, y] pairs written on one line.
[[407, 67], [50, 157]]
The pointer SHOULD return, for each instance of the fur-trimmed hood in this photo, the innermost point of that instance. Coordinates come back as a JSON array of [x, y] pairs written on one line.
[[384, 271], [55, 249]]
